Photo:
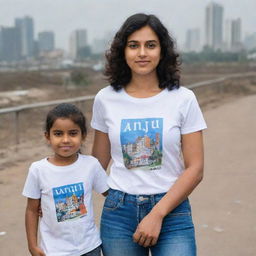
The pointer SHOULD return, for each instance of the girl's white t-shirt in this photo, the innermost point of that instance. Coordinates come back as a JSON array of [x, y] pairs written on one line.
[[67, 227], [145, 136]]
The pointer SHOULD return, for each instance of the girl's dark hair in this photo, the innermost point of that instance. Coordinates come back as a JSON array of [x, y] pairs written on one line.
[[66, 110], [118, 72]]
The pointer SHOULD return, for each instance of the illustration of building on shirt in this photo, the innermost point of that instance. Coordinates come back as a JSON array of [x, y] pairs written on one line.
[[69, 202], [141, 141]]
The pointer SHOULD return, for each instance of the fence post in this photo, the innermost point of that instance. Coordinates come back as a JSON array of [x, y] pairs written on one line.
[[16, 127]]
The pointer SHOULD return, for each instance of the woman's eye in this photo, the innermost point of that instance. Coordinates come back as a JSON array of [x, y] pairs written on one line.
[[151, 45], [132, 46]]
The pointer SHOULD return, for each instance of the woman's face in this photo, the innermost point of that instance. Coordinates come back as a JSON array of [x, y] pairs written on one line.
[[143, 51]]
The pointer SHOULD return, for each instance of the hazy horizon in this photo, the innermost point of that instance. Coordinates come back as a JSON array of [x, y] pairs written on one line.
[[64, 16]]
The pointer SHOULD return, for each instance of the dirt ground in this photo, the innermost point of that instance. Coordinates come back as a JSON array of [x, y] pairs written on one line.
[[224, 204]]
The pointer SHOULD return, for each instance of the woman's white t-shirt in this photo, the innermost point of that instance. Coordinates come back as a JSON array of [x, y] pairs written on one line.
[[67, 227], [145, 136]]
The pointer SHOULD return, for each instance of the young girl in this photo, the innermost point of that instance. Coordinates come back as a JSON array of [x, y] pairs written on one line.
[[62, 184]]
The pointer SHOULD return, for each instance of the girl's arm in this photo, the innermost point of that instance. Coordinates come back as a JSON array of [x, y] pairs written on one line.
[[31, 221], [101, 148], [149, 228]]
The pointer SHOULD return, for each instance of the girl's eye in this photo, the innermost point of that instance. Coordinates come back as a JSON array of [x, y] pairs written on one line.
[[57, 133], [73, 133]]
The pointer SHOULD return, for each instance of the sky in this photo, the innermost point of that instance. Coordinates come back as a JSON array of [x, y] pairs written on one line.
[[100, 17]]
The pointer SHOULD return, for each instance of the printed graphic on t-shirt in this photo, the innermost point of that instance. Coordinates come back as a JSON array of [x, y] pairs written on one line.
[[141, 141], [69, 202]]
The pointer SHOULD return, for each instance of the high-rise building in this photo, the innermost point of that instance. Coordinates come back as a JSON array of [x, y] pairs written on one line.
[[46, 41], [10, 47], [236, 31], [228, 34], [78, 41], [214, 25], [1, 43], [250, 41], [99, 45], [26, 27], [193, 40], [233, 35]]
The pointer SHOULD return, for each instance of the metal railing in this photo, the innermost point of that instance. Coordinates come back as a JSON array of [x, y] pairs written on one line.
[[221, 79], [16, 110]]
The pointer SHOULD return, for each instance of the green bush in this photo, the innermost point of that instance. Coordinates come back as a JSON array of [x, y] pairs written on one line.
[[79, 77]]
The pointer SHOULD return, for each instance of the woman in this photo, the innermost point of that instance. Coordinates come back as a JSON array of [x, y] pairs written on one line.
[[151, 128]]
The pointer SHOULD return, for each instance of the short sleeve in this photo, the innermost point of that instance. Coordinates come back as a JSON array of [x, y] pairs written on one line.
[[192, 117], [98, 121], [32, 188], [100, 179]]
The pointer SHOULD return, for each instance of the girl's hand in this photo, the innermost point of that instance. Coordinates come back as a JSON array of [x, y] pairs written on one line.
[[36, 251], [40, 212], [148, 230]]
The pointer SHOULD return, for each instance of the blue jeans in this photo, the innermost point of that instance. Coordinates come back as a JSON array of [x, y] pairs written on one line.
[[123, 212], [94, 252]]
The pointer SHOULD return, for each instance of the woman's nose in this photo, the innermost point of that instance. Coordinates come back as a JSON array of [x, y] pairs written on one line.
[[142, 51]]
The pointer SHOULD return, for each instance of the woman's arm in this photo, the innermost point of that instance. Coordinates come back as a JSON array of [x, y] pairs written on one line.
[[101, 148], [31, 221], [149, 228]]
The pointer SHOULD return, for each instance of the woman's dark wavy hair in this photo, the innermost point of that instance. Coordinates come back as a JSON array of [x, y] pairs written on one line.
[[118, 72]]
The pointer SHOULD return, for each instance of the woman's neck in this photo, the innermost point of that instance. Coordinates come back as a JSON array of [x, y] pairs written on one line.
[[143, 86]]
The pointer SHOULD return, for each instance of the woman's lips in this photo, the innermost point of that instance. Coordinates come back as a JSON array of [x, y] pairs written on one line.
[[142, 62]]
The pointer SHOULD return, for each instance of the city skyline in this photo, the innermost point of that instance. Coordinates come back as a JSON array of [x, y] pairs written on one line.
[[65, 16]]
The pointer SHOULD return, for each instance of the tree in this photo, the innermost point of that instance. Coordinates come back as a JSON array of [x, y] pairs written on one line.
[[79, 77]]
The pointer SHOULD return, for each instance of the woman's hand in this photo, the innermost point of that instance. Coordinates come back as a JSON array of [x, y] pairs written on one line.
[[148, 230], [36, 251]]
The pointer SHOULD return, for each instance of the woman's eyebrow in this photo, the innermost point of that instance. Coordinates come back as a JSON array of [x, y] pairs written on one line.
[[132, 41], [136, 41]]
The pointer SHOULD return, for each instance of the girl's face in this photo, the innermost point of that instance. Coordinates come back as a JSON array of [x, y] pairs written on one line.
[[65, 139], [143, 51]]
